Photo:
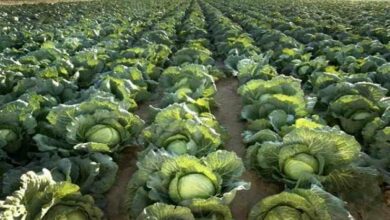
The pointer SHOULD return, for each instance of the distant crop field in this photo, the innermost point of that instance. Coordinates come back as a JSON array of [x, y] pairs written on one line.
[[20, 2], [195, 110]]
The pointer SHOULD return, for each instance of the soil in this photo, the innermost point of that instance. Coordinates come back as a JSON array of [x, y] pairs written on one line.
[[127, 166], [229, 108], [115, 197]]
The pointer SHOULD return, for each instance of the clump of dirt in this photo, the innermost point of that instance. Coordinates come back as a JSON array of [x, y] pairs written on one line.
[[387, 197]]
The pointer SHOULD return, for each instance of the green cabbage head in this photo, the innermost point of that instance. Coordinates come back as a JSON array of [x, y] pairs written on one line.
[[192, 186], [299, 164], [103, 134], [8, 135]]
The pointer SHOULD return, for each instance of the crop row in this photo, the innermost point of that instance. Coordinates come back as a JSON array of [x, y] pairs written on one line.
[[306, 137], [183, 173]]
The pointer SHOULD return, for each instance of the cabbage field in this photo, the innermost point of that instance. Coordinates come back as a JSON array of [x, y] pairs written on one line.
[[195, 110]]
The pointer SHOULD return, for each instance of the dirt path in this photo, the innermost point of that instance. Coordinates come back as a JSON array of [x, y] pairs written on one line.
[[127, 166], [115, 197], [228, 115]]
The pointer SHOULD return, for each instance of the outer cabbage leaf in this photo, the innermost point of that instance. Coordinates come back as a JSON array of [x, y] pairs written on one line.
[[163, 211], [256, 67], [190, 83], [40, 197], [312, 203], [200, 56], [354, 112], [280, 101], [94, 173]]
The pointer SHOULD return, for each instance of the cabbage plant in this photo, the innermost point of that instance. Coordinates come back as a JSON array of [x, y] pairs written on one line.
[[86, 64], [124, 91], [95, 125], [308, 204], [58, 88], [152, 52], [320, 80], [279, 101], [189, 83], [180, 130], [164, 211], [324, 156], [94, 173], [351, 101], [306, 155], [255, 68], [368, 90], [40, 197], [264, 135], [193, 55], [382, 76], [206, 185], [17, 124], [376, 135], [11, 134], [201, 210], [354, 112], [110, 91], [134, 74]]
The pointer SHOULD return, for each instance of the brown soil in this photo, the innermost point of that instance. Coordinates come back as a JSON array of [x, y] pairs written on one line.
[[227, 114], [127, 166], [115, 197]]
